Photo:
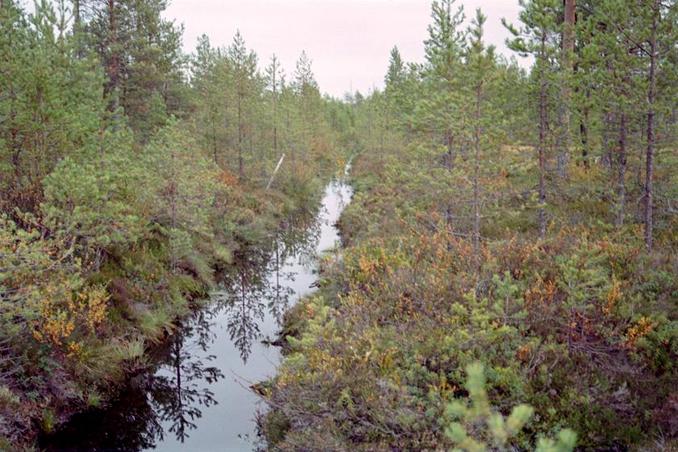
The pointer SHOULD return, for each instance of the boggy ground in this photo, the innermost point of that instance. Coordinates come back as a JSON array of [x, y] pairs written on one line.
[[580, 325]]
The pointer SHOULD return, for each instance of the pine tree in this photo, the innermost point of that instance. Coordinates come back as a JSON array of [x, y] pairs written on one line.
[[438, 113], [609, 70], [476, 424], [443, 52], [51, 102], [480, 63], [636, 40], [243, 64], [538, 37], [142, 60], [394, 88], [445, 41], [396, 72], [564, 139], [211, 105], [307, 92], [304, 80], [658, 34], [274, 78]]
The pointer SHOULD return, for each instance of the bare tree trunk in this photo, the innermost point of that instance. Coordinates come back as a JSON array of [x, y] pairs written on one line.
[[291, 141], [476, 176], [564, 138], [608, 119], [240, 137], [449, 155], [448, 164], [277, 270], [214, 140], [275, 139], [584, 133], [640, 180], [76, 16], [275, 110], [275, 171], [542, 142], [173, 188], [649, 153], [113, 63], [77, 27], [621, 172]]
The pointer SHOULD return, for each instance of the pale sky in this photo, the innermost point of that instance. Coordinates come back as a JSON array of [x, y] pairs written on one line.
[[348, 40]]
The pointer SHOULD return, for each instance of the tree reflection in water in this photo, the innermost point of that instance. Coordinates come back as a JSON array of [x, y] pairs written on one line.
[[169, 398], [174, 395], [261, 280], [181, 389]]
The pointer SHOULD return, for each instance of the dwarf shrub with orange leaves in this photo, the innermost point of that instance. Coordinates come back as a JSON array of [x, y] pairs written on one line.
[[580, 326]]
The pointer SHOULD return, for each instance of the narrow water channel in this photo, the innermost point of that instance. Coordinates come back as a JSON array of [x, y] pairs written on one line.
[[199, 397]]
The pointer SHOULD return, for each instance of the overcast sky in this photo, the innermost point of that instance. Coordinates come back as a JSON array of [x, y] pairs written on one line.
[[348, 40]]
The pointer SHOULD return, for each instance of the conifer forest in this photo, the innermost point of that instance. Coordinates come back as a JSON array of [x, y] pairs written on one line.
[[202, 250]]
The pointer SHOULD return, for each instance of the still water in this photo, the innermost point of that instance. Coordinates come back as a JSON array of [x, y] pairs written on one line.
[[199, 397]]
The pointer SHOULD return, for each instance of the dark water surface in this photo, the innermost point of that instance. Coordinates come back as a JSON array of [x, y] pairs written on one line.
[[199, 398]]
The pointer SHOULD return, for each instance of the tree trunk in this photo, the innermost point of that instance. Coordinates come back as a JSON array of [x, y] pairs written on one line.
[[584, 132], [608, 120], [275, 111], [448, 165], [542, 140], [649, 153], [76, 16], [112, 88], [476, 176], [621, 172], [240, 136], [77, 29], [173, 194], [214, 141], [567, 50]]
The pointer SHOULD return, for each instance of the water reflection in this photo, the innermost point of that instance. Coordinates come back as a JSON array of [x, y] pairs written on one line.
[[152, 404], [261, 283], [179, 391], [216, 354]]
